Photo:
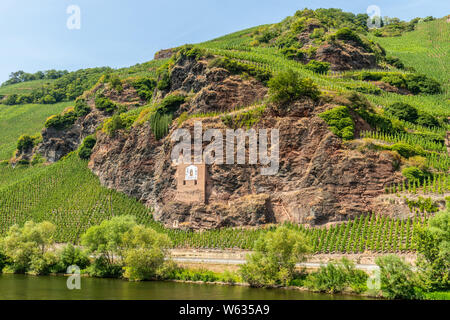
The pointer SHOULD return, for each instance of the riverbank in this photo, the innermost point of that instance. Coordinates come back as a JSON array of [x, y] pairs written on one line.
[[219, 260]]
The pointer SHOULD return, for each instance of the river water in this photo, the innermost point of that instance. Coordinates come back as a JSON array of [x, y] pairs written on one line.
[[23, 287]]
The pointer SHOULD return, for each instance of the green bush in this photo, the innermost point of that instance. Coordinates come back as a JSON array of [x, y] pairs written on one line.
[[101, 268], [293, 53], [287, 87], [27, 247], [340, 122], [145, 252], [318, 66], [171, 103], [164, 81], [25, 143], [336, 277], [415, 83], [394, 61], [71, 256], [237, 67], [86, 147], [397, 278], [403, 111], [48, 99], [348, 35], [419, 83], [10, 100], [274, 258], [413, 174], [81, 108], [433, 244], [427, 120], [61, 121], [113, 124], [105, 104], [116, 83], [145, 87], [406, 150]]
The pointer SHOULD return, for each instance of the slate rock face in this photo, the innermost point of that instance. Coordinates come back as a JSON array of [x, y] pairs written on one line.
[[58, 143], [346, 56], [320, 180]]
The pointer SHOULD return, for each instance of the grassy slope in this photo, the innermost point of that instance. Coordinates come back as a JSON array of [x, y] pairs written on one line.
[[24, 87], [427, 49], [23, 119], [69, 195]]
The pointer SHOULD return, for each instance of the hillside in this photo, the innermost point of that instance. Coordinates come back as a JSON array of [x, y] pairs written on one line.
[[391, 163]]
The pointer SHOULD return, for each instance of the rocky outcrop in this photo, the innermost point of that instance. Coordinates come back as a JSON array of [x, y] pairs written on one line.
[[319, 180], [346, 56], [57, 143]]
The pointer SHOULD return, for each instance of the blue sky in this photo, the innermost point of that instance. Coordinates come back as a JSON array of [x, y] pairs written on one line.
[[121, 33]]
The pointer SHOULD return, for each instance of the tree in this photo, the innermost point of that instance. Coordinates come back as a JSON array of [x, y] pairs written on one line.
[[276, 254], [287, 87], [397, 278], [145, 252], [105, 240], [70, 256], [434, 249], [27, 247]]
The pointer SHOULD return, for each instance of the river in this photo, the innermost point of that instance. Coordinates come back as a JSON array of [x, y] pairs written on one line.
[[24, 287]]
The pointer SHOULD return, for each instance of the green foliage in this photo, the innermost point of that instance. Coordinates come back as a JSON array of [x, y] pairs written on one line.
[[237, 67], [144, 87], [318, 66], [288, 86], [115, 82], [113, 124], [348, 35], [413, 173], [10, 100], [164, 81], [396, 62], [81, 108], [105, 104], [403, 111], [25, 119], [335, 277], [61, 121], [274, 259], [106, 242], [340, 122], [145, 251], [21, 76], [244, 119], [64, 88], [25, 143], [397, 278], [434, 249], [71, 256], [86, 147], [160, 124], [406, 150], [27, 247], [161, 117]]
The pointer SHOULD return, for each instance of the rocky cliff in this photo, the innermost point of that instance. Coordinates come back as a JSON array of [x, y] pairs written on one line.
[[319, 180]]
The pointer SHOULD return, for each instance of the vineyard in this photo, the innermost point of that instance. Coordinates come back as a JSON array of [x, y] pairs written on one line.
[[70, 196]]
